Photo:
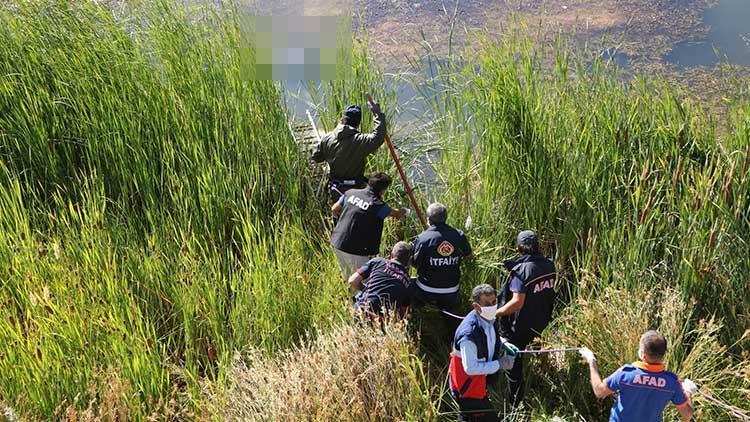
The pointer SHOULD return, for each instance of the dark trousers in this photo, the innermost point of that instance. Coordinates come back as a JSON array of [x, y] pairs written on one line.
[[419, 297], [336, 188], [444, 302], [476, 410], [515, 375]]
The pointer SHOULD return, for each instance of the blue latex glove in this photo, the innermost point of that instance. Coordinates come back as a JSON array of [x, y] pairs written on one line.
[[510, 348]]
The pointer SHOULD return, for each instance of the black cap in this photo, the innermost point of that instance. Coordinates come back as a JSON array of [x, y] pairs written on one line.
[[528, 239], [353, 115]]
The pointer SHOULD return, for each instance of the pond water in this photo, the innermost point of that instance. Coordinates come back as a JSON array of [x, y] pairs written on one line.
[[728, 39], [729, 34]]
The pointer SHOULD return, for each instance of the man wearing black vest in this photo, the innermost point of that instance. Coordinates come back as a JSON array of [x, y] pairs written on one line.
[[527, 299], [478, 353], [438, 252], [361, 213], [346, 150]]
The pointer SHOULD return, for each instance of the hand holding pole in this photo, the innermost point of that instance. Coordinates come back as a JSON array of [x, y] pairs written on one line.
[[401, 173]]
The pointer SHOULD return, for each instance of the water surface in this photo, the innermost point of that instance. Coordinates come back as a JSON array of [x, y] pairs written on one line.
[[728, 39]]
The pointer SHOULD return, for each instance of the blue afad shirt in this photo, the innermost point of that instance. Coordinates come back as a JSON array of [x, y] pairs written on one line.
[[386, 284], [644, 391]]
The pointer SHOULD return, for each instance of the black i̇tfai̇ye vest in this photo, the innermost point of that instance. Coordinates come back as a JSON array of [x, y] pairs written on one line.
[[359, 228], [537, 274]]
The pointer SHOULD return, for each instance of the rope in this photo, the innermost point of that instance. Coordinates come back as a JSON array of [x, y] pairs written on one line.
[[451, 315], [541, 351], [734, 411]]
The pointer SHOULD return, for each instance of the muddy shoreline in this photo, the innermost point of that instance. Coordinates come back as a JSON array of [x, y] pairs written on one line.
[[637, 34]]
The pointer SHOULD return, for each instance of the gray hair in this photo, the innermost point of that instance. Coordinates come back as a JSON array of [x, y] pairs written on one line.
[[437, 213], [482, 290], [654, 343], [402, 252]]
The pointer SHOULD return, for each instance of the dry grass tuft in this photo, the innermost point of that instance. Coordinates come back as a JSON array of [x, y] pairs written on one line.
[[110, 398], [353, 373]]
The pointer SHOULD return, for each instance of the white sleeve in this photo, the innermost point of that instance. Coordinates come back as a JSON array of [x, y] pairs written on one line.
[[470, 363]]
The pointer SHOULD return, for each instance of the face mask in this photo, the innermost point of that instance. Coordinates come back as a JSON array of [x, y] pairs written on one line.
[[488, 312]]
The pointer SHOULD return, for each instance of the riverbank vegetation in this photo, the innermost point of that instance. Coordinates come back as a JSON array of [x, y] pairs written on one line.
[[162, 247]]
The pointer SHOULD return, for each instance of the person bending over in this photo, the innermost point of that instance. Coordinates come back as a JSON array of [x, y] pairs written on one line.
[[383, 284]]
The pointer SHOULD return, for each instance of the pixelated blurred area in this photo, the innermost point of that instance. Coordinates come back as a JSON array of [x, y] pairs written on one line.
[[302, 7], [293, 40]]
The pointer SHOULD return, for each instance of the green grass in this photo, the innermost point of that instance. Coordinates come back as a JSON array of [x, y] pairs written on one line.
[[156, 216], [634, 189]]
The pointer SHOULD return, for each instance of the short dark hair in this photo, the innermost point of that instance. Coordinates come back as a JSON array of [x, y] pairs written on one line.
[[654, 343], [352, 116], [379, 181], [482, 290], [528, 250], [402, 252]]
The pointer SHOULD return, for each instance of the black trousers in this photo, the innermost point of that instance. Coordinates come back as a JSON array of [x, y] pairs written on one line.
[[336, 188], [515, 375], [476, 410], [449, 301]]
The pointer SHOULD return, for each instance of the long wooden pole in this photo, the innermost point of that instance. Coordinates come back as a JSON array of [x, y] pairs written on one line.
[[312, 122], [409, 192]]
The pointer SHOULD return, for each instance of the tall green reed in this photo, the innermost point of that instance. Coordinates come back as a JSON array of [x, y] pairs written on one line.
[[629, 182], [157, 214]]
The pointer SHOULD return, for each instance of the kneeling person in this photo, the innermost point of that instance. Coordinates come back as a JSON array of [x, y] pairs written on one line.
[[477, 353], [384, 283], [645, 387]]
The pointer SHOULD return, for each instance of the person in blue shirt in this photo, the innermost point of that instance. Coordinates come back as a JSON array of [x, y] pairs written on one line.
[[383, 284], [643, 388]]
